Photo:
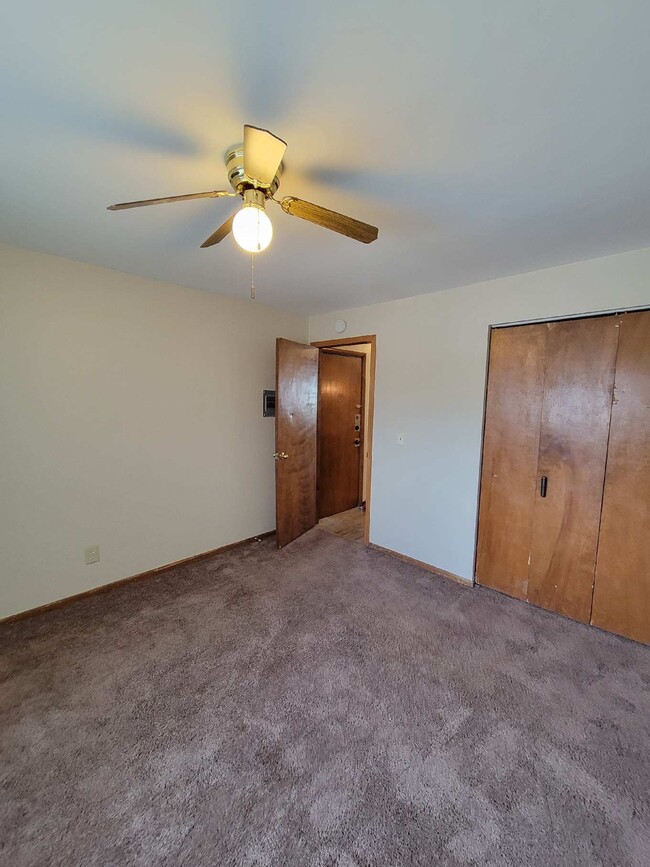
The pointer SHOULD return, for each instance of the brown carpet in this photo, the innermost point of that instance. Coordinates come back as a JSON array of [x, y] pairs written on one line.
[[319, 705]]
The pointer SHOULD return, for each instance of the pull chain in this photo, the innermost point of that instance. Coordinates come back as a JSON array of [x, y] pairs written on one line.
[[252, 276]]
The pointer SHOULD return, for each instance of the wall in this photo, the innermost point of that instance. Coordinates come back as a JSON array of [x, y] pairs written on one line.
[[131, 418], [430, 382], [366, 348]]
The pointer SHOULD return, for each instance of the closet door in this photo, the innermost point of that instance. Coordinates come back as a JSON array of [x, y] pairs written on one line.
[[576, 408], [622, 587], [510, 448]]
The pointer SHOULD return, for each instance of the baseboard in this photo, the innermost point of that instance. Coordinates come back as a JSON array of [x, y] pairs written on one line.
[[141, 576], [435, 569]]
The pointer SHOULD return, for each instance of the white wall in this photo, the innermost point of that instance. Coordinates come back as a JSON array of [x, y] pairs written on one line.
[[430, 380], [131, 418]]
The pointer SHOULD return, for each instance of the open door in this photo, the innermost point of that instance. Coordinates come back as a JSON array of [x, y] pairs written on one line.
[[296, 402]]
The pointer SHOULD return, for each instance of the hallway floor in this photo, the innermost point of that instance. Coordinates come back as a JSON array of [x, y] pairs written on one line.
[[350, 525], [323, 704]]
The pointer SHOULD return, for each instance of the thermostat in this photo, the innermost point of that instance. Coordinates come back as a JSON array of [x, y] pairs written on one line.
[[340, 325]]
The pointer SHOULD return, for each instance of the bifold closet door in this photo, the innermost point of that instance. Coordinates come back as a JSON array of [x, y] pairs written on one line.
[[576, 409], [621, 600], [548, 410], [510, 452]]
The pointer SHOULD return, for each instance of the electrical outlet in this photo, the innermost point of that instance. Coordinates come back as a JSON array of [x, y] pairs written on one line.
[[400, 439], [91, 554]]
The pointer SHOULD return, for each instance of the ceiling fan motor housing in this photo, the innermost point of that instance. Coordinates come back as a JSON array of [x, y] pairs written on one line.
[[238, 178], [254, 198]]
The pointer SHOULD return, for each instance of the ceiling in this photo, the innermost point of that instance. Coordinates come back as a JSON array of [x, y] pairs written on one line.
[[484, 139]]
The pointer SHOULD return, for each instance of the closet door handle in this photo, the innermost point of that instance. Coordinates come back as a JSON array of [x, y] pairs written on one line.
[[542, 486]]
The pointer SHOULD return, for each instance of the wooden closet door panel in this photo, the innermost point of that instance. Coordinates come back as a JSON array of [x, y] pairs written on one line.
[[510, 449], [578, 385], [622, 586]]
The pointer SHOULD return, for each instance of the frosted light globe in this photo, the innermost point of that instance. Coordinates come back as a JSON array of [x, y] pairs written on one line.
[[252, 229]]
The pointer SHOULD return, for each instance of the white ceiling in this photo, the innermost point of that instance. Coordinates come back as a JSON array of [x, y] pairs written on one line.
[[483, 138]]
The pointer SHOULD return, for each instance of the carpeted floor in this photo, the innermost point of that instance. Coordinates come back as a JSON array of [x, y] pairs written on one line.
[[320, 705]]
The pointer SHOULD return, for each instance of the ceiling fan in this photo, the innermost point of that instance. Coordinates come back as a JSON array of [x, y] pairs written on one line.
[[254, 169]]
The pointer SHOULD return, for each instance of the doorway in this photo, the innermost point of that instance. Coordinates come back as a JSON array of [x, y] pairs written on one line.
[[297, 438], [341, 380], [345, 413]]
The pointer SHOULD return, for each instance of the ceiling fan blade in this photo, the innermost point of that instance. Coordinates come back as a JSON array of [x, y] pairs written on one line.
[[263, 154], [330, 219], [223, 231], [212, 194]]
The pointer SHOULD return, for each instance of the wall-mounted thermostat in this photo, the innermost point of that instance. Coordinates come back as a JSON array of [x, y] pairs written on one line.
[[268, 403], [340, 325]]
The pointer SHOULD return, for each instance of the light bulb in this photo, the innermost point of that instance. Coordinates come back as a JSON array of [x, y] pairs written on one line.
[[252, 229]]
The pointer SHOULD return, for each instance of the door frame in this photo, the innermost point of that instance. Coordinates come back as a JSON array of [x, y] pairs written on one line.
[[342, 342]]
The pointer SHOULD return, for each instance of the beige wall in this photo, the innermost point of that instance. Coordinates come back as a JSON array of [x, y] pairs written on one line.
[[366, 348], [131, 418], [130, 413], [430, 381]]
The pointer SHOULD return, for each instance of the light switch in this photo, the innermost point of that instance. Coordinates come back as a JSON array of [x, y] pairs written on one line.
[[400, 439]]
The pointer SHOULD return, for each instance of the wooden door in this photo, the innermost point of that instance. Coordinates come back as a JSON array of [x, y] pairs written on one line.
[[622, 587], [576, 409], [296, 390], [510, 452], [340, 445]]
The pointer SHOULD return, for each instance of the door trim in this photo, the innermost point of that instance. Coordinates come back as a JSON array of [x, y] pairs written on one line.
[[370, 397], [613, 311]]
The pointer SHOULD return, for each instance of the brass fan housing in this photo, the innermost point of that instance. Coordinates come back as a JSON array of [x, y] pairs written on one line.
[[240, 181]]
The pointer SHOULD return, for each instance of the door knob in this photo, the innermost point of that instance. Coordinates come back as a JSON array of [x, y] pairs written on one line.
[[357, 443], [280, 456]]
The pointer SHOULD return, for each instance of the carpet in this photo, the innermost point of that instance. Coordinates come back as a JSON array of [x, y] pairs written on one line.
[[320, 705]]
